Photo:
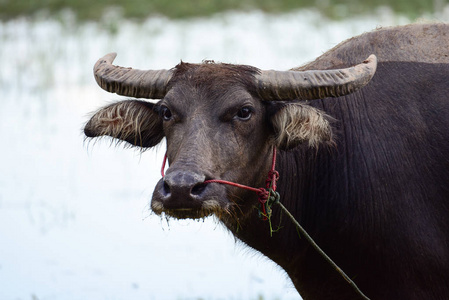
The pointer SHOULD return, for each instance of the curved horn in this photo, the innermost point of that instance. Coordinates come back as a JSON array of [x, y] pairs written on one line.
[[130, 82], [318, 84]]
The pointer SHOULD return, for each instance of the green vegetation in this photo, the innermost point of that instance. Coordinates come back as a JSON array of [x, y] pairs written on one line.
[[141, 9]]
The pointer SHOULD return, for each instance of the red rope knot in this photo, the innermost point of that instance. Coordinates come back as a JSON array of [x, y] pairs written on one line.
[[264, 195], [273, 177]]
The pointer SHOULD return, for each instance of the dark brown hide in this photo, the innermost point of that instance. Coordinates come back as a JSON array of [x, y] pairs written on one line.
[[208, 140], [374, 194]]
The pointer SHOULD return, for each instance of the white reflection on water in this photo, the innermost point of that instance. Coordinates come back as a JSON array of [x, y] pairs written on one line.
[[74, 220]]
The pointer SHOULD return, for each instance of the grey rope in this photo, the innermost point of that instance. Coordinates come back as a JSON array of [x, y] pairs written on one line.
[[321, 252]]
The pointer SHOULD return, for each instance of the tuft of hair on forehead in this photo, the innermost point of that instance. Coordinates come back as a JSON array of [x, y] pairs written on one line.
[[210, 74], [298, 123]]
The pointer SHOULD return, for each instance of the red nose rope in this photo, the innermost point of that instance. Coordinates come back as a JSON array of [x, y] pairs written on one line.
[[267, 196]]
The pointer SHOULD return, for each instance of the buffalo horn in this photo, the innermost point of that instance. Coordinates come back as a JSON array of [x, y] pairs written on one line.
[[316, 84], [130, 82]]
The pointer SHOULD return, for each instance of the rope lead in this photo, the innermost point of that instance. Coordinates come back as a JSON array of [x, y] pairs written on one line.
[[321, 252], [267, 198]]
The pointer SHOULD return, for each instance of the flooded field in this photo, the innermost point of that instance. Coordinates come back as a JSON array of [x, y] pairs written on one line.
[[74, 216]]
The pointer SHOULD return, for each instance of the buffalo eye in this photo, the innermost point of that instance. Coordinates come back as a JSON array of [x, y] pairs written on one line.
[[165, 113], [245, 113]]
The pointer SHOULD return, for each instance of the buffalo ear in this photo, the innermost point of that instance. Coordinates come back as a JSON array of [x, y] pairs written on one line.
[[298, 123], [133, 121]]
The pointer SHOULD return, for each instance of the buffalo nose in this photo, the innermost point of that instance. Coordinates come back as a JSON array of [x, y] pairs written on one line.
[[183, 184]]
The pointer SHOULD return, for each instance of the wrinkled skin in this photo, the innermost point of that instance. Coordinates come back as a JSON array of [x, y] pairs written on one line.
[[216, 127], [225, 139]]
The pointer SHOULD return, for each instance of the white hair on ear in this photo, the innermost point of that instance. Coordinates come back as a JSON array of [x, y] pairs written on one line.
[[300, 123], [128, 120], [121, 120]]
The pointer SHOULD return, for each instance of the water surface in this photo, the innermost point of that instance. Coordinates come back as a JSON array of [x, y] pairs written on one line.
[[74, 216]]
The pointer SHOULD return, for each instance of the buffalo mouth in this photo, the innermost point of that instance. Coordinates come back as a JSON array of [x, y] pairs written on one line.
[[200, 211], [181, 195]]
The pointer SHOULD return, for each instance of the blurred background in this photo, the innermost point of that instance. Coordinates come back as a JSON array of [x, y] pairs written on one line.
[[74, 216]]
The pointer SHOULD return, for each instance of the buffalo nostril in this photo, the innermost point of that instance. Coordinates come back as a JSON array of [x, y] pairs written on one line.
[[198, 189], [166, 188], [180, 184]]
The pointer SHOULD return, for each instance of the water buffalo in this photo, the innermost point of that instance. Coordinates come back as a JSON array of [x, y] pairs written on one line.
[[363, 156]]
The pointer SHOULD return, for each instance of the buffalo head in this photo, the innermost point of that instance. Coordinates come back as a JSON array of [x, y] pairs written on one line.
[[221, 121]]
